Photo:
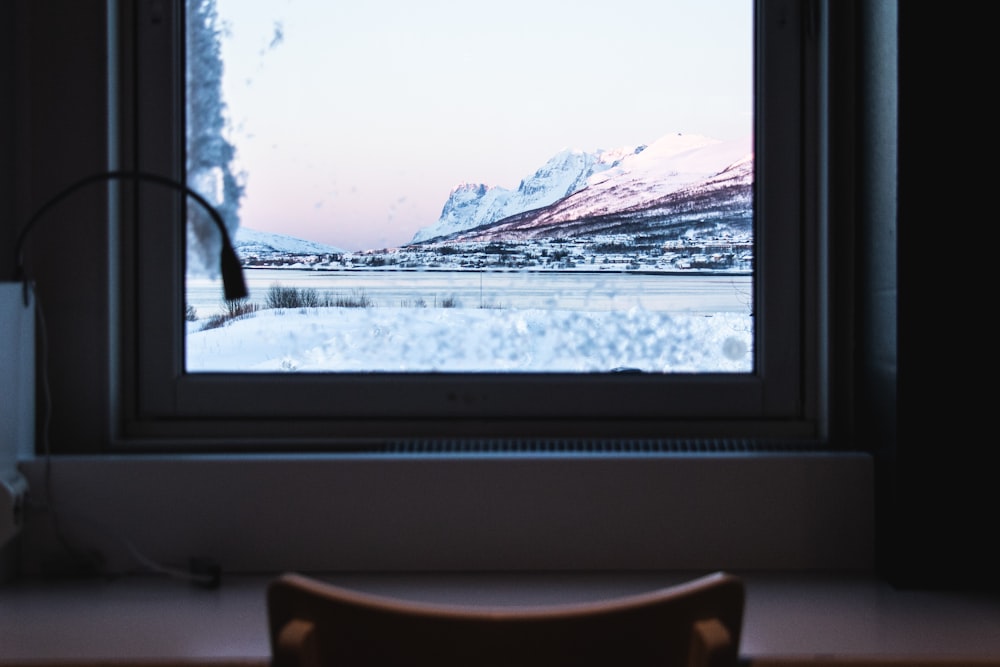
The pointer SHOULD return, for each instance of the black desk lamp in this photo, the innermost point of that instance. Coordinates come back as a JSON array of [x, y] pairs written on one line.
[[229, 264]]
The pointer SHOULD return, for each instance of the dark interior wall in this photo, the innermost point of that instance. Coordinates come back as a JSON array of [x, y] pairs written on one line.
[[939, 494], [8, 161], [61, 137], [7, 158]]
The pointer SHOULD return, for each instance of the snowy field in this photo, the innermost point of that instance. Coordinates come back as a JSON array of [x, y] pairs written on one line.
[[473, 339]]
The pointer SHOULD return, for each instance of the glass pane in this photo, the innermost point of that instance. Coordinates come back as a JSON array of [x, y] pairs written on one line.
[[472, 187]]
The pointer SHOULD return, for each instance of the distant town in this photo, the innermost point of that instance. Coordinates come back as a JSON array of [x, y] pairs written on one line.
[[723, 253]]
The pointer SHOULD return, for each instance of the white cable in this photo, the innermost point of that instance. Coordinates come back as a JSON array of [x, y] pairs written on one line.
[[48, 498]]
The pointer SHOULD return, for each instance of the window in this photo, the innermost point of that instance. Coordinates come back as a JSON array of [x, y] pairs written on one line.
[[775, 400], [613, 154]]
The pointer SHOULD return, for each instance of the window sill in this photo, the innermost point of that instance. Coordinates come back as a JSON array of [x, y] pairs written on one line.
[[371, 513]]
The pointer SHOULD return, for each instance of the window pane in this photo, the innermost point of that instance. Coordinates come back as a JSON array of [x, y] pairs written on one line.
[[455, 187]]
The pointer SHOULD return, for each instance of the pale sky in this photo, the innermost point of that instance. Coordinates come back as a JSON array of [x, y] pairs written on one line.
[[354, 120]]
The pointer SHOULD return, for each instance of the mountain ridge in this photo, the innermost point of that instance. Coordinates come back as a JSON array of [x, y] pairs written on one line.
[[662, 189], [252, 243], [473, 204]]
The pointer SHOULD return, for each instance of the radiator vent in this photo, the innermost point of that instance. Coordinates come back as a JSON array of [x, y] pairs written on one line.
[[595, 446]]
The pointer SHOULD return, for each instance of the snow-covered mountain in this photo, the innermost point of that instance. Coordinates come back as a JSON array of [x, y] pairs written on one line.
[[475, 204], [678, 179], [250, 243], [721, 202]]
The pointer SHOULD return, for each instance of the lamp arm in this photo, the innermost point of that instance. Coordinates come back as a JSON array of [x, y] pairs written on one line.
[[232, 273]]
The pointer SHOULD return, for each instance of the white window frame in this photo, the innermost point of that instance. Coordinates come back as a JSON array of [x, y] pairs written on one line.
[[777, 401]]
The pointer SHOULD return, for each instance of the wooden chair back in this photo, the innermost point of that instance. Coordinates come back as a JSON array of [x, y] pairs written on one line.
[[693, 624]]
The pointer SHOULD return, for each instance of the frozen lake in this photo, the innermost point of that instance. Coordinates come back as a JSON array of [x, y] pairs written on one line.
[[533, 321], [568, 290]]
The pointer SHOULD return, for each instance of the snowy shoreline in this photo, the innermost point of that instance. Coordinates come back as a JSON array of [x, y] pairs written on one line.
[[458, 269]]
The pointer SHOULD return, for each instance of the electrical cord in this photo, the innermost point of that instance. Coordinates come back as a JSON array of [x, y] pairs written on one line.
[[203, 572]]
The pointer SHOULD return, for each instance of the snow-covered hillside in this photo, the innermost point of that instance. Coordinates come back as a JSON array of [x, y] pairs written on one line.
[[574, 185], [475, 204], [250, 243]]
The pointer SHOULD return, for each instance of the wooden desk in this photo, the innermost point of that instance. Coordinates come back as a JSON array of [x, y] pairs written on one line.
[[790, 620]]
